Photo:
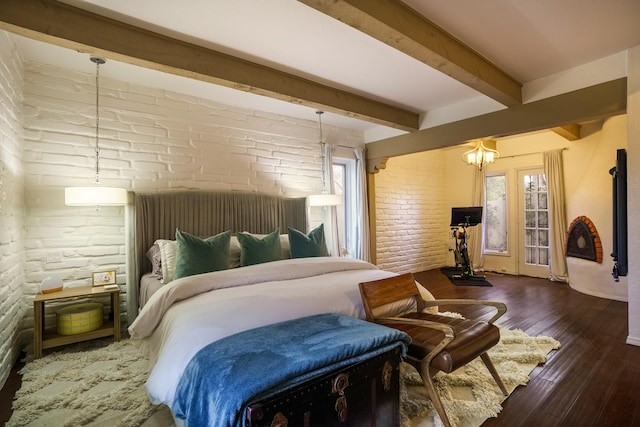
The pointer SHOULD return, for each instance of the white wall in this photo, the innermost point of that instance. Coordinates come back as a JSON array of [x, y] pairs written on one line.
[[633, 191], [412, 214], [438, 180], [150, 140], [588, 186], [12, 302]]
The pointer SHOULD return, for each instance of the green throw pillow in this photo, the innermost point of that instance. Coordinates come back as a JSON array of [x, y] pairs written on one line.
[[256, 250], [305, 246], [196, 256]]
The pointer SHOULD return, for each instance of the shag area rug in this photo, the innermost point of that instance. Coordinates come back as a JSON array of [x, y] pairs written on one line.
[[102, 384], [470, 394], [95, 383]]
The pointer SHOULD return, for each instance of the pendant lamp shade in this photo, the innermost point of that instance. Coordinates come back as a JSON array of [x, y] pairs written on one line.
[[324, 200], [96, 195]]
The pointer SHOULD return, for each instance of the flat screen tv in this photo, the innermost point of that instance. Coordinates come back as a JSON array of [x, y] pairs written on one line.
[[468, 216]]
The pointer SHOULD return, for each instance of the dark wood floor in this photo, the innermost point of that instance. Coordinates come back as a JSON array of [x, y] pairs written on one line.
[[593, 380], [8, 391]]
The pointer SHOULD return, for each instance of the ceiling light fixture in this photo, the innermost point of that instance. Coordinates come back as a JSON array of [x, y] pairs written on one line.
[[96, 195], [484, 153], [324, 199]]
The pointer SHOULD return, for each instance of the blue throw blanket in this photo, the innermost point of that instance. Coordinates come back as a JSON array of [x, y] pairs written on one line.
[[235, 371]]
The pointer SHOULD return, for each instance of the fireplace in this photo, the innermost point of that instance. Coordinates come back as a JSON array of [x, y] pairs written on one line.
[[583, 240]]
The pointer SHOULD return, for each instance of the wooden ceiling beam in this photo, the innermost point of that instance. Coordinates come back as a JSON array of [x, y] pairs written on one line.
[[74, 28], [397, 25], [592, 103], [570, 132]]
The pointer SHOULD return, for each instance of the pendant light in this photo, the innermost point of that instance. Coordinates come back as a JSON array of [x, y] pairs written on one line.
[[323, 199], [97, 195], [484, 153]]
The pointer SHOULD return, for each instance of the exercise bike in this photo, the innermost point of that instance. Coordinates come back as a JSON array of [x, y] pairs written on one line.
[[461, 219]]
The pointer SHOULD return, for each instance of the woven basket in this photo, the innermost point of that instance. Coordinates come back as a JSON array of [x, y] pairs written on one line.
[[79, 318]]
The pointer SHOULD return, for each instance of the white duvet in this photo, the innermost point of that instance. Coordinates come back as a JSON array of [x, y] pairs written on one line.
[[189, 313]]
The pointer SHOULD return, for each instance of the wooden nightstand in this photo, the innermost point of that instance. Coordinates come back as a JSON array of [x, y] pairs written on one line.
[[42, 339]]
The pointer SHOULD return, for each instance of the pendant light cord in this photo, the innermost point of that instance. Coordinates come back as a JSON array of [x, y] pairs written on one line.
[[322, 148], [97, 61]]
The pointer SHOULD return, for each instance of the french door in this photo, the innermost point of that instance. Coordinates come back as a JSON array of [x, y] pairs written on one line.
[[533, 224]]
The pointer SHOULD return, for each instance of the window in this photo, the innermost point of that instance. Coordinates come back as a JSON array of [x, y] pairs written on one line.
[[344, 178], [536, 220], [495, 213]]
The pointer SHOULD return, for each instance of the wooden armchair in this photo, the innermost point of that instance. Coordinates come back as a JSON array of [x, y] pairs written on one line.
[[439, 343]]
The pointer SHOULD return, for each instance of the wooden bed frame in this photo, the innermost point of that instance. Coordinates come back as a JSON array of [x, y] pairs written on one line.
[[152, 216]]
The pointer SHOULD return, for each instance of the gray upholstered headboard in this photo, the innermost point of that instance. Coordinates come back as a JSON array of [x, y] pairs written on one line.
[[155, 216], [206, 213]]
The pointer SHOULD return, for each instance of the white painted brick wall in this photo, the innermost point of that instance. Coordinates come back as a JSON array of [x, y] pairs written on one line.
[[155, 140], [412, 213], [150, 140], [12, 301]]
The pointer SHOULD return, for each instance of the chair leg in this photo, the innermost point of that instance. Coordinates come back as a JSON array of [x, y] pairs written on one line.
[[489, 364], [435, 399]]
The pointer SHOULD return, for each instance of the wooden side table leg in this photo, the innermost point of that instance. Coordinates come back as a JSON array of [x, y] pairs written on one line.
[[115, 309], [38, 325]]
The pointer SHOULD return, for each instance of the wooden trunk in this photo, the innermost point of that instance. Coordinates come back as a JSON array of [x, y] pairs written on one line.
[[366, 393]]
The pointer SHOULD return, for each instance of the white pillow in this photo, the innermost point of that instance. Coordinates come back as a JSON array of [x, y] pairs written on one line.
[[168, 255], [427, 296], [234, 252]]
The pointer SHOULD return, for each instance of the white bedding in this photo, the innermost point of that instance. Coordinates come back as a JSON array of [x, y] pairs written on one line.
[[149, 284], [191, 312]]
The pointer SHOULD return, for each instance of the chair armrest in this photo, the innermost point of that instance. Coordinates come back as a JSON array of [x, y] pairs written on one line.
[[500, 306], [446, 329]]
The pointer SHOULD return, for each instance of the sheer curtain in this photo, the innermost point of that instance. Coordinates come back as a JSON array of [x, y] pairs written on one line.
[[554, 173], [477, 254], [330, 213], [362, 208]]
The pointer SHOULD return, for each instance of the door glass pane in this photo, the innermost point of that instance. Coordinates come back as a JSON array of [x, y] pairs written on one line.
[[543, 238], [495, 214], [543, 219], [529, 256], [542, 184], [529, 203], [542, 200], [543, 256], [536, 220], [530, 183], [529, 237], [530, 218]]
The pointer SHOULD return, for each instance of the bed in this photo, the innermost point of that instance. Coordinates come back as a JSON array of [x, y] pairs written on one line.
[[184, 315]]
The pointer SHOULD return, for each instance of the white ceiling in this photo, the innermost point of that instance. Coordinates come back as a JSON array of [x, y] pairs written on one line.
[[527, 39]]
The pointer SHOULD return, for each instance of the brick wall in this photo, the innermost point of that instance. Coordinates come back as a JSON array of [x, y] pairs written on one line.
[[150, 140], [12, 302], [156, 140], [412, 213]]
